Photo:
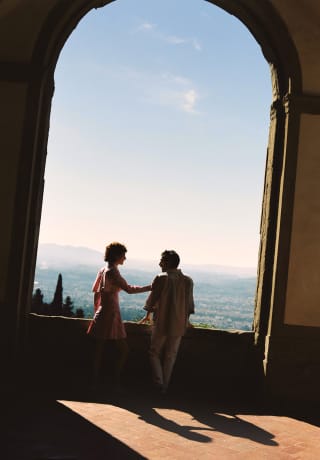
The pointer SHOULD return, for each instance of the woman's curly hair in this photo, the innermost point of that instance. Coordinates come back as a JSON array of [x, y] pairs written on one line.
[[114, 251]]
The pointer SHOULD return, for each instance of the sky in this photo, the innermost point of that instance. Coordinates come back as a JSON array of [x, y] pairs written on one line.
[[158, 134]]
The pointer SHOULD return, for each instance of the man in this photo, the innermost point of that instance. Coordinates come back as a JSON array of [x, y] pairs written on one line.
[[171, 302]]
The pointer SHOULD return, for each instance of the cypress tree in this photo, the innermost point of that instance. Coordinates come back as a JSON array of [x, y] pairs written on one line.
[[57, 303]]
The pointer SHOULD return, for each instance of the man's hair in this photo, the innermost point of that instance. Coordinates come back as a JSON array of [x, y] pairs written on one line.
[[171, 257], [114, 251]]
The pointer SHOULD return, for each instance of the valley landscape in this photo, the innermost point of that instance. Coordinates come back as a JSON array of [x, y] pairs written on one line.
[[224, 296]]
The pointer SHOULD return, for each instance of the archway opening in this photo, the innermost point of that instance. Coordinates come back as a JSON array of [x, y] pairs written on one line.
[[175, 163]]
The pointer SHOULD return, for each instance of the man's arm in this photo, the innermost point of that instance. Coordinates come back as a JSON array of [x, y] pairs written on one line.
[[154, 297], [190, 299]]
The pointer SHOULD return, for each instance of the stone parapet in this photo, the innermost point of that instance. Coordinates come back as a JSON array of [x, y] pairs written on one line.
[[59, 355]]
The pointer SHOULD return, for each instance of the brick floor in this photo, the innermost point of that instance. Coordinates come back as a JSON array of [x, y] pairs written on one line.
[[141, 425]]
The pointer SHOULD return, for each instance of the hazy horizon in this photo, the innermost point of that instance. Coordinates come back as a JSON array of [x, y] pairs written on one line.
[[223, 300], [90, 256]]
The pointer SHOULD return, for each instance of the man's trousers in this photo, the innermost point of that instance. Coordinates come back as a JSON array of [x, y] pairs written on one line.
[[163, 352]]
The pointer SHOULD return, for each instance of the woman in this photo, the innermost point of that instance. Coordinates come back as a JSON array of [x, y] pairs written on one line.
[[107, 323]]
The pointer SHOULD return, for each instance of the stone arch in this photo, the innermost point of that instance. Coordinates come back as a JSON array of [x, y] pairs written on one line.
[[271, 34]]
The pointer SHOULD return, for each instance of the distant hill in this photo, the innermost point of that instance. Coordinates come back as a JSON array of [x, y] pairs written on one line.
[[224, 296], [55, 255]]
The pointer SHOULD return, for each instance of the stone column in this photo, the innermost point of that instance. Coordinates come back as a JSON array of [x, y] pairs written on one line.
[[25, 96], [292, 353]]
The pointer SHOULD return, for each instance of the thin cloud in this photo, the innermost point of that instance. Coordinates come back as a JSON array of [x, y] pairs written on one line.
[[181, 92], [178, 91], [147, 26], [150, 27], [190, 98], [175, 40], [165, 89]]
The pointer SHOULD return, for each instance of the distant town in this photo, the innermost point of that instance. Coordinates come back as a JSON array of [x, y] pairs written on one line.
[[224, 300]]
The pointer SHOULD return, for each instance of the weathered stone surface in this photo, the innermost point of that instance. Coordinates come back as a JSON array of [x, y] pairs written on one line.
[[59, 351]]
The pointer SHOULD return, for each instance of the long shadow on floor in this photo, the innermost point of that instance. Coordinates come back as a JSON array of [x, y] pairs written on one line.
[[40, 428], [212, 417]]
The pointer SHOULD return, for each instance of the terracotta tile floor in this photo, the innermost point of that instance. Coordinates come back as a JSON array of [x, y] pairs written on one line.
[[141, 425]]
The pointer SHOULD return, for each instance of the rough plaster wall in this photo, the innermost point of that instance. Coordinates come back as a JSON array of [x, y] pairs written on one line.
[[20, 24], [13, 98], [303, 290], [302, 18]]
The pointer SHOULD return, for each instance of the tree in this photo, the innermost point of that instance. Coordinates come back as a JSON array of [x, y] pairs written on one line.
[[57, 307], [37, 302], [67, 307], [79, 313], [57, 302]]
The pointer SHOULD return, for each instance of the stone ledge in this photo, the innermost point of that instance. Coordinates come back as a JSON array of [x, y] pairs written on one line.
[[60, 348]]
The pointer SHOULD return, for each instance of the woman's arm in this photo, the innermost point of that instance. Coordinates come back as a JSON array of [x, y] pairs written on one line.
[[96, 301], [96, 287], [128, 288], [136, 289]]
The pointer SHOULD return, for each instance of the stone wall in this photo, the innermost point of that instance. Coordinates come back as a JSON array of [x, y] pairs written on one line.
[[59, 356]]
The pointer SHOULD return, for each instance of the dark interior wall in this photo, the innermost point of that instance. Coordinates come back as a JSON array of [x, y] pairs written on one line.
[[32, 34]]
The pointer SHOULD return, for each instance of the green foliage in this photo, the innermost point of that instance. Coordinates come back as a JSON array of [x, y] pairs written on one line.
[[204, 326]]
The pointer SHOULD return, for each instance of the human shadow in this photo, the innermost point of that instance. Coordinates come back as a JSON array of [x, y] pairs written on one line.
[[210, 419], [151, 416], [231, 424]]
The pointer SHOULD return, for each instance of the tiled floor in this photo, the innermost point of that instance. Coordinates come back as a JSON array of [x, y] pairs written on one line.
[[137, 424]]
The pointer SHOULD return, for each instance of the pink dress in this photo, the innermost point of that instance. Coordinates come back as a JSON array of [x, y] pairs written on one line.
[[107, 322]]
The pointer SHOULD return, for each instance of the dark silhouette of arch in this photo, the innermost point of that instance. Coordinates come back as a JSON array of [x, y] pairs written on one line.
[[271, 34]]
